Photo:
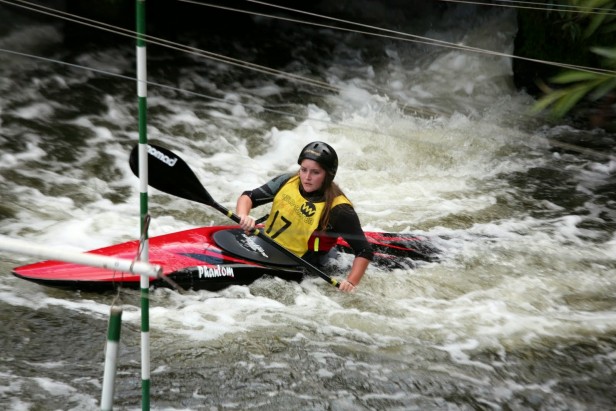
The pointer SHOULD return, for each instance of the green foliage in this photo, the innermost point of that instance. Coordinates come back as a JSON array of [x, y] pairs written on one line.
[[610, 54], [583, 84], [597, 14], [580, 19], [593, 19]]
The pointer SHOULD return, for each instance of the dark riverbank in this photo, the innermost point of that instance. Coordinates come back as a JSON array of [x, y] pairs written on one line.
[[541, 35]]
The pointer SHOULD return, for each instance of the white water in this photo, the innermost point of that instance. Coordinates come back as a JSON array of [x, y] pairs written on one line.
[[518, 315]]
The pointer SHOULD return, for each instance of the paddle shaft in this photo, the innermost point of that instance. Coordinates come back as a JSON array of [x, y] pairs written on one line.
[[172, 175]]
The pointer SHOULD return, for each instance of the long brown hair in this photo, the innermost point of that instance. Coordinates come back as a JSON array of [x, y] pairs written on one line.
[[332, 190]]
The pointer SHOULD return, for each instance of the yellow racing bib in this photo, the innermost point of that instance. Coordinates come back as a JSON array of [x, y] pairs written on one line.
[[293, 219]]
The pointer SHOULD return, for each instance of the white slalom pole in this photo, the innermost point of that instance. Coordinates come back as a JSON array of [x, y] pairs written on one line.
[[142, 93], [111, 357], [111, 263]]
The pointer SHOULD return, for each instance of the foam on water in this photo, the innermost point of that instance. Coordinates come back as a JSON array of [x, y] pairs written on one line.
[[522, 268]]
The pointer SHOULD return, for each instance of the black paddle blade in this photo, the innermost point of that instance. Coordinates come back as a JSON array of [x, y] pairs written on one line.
[[168, 173]]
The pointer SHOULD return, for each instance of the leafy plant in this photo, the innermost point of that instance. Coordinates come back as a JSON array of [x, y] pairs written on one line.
[[593, 18], [592, 84]]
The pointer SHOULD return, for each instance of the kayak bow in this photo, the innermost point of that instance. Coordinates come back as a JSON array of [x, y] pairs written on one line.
[[213, 258]]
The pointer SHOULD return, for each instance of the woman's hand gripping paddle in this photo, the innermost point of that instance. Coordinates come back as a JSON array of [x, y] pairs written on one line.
[[170, 174]]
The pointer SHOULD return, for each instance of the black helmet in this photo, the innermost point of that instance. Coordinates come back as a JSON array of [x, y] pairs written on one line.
[[323, 154]]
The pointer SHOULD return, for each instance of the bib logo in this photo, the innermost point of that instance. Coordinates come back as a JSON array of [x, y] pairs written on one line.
[[162, 157], [308, 209]]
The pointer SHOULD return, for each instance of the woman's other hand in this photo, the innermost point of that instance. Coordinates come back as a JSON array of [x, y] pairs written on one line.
[[347, 286]]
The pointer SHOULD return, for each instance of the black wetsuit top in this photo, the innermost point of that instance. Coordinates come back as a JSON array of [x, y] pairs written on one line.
[[343, 220]]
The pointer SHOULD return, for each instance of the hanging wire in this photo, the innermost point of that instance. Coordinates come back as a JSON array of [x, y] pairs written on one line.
[[143, 237], [166, 43], [142, 241], [194, 51], [193, 93], [291, 77], [532, 5], [375, 31], [235, 62], [398, 34], [119, 289]]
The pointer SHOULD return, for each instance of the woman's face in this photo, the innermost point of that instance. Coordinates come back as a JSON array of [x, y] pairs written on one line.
[[312, 175]]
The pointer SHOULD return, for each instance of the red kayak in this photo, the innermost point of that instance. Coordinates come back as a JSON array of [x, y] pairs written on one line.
[[212, 258]]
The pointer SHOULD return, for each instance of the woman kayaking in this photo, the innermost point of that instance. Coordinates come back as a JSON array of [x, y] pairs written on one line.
[[309, 212]]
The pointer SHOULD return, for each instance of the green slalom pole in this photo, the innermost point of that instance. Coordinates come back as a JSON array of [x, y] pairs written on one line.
[[143, 192], [111, 357]]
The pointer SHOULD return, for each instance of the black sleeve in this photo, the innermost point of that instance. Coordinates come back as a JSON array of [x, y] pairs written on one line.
[[265, 194], [345, 223]]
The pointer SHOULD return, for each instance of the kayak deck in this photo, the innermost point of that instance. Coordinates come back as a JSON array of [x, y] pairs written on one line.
[[213, 258]]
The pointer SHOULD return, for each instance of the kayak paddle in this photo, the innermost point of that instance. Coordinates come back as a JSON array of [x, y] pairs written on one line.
[[170, 174]]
